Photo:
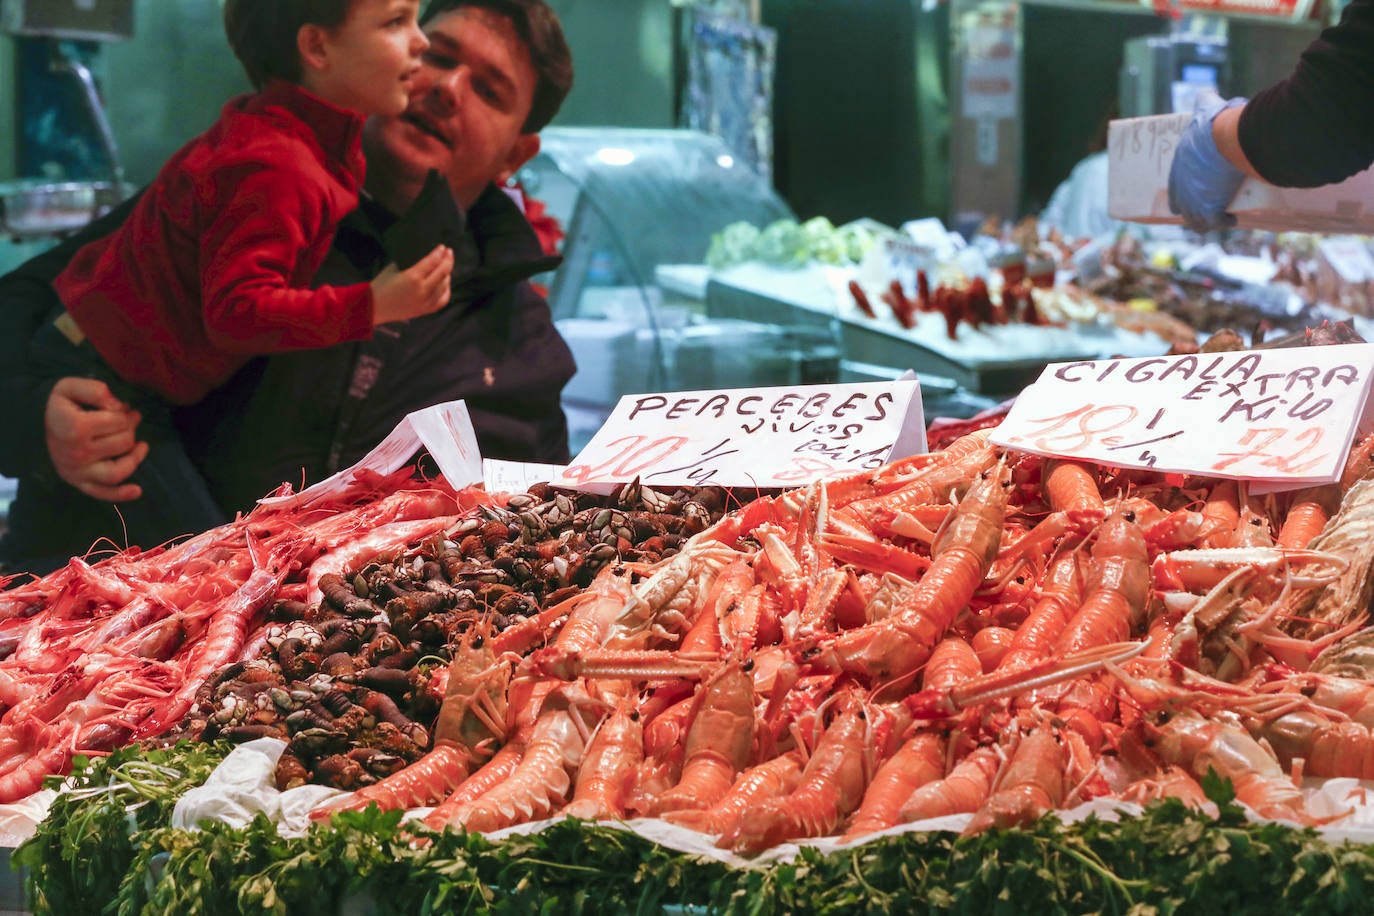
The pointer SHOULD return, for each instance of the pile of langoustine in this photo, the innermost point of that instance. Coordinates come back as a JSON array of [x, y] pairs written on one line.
[[971, 631]]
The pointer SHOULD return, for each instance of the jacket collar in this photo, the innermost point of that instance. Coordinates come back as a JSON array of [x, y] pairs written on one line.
[[508, 249], [338, 131], [504, 249]]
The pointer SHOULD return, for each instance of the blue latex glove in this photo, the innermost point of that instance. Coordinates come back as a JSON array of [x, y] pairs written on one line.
[[1201, 180]]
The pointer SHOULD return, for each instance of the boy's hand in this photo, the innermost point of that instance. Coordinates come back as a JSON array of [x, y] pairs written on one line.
[[90, 438], [418, 290]]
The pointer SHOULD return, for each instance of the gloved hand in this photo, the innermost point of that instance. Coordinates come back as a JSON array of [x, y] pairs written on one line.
[[1201, 180]]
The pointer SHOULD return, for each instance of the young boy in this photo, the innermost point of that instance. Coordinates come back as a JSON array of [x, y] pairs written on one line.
[[213, 265]]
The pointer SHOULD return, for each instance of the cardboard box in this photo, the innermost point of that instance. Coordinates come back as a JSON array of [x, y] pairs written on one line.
[[1140, 151]]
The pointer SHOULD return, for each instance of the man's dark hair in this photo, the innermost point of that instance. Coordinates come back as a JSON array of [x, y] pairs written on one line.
[[263, 33], [542, 33]]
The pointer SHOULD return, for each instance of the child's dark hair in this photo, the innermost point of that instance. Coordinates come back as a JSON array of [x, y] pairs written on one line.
[[263, 33], [542, 33]]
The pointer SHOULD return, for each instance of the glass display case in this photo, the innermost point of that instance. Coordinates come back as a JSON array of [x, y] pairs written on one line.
[[639, 208]]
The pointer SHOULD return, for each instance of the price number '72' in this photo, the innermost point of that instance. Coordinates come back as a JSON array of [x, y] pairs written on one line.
[[1278, 448], [1286, 451]]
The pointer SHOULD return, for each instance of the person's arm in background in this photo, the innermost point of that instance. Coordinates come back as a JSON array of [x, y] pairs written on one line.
[[1308, 130], [1227, 139], [70, 428], [1316, 127]]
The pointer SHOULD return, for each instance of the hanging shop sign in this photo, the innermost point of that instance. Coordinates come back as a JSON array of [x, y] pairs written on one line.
[[985, 99], [992, 72], [784, 436], [1285, 417], [1278, 9]]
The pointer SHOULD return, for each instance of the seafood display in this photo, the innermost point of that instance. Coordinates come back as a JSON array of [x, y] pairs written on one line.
[[1287, 304], [354, 679], [973, 631], [969, 302], [978, 304], [101, 654]]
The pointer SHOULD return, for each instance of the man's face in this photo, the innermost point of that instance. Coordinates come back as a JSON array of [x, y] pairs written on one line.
[[468, 103]]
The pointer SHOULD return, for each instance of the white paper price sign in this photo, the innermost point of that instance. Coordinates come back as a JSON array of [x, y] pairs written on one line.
[[445, 431], [904, 260], [1285, 417], [516, 476], [761, 437]]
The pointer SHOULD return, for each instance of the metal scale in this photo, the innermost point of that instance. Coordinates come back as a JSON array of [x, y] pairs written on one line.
[[41, 207]]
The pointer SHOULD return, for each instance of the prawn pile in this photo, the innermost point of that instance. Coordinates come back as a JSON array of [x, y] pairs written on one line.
[[974, 632], [967, 302]]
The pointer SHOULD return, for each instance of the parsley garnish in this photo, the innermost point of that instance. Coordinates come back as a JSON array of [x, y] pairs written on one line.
[[108, 842]]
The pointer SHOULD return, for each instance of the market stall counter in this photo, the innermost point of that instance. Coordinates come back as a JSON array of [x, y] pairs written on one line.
[[871, 688], [997, 361]]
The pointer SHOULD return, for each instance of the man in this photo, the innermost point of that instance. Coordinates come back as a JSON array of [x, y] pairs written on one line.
[[495, 73]]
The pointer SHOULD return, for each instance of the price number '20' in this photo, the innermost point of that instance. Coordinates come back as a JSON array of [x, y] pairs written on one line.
[[630, 457]]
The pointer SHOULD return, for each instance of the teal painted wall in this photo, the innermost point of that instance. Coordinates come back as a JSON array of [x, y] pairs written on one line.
[[168, 82], [623, 55], [7, 126]]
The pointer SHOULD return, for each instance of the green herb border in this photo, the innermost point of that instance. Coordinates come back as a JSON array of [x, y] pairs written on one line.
[[109, 841]]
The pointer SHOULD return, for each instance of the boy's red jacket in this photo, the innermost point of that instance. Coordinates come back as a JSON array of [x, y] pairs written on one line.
[[215, 262]]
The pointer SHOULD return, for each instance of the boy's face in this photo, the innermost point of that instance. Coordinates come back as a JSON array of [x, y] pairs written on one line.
[[466, 114], [372, 57]]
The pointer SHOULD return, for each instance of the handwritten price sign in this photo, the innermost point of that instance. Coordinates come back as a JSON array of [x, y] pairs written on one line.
[[1152, 140], [905, 259], [1282, 416], [516, 476], [761, 437]]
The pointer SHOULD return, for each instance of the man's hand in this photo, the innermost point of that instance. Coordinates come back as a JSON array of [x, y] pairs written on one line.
[[423, 288], [1201, 180], [91, 441]]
